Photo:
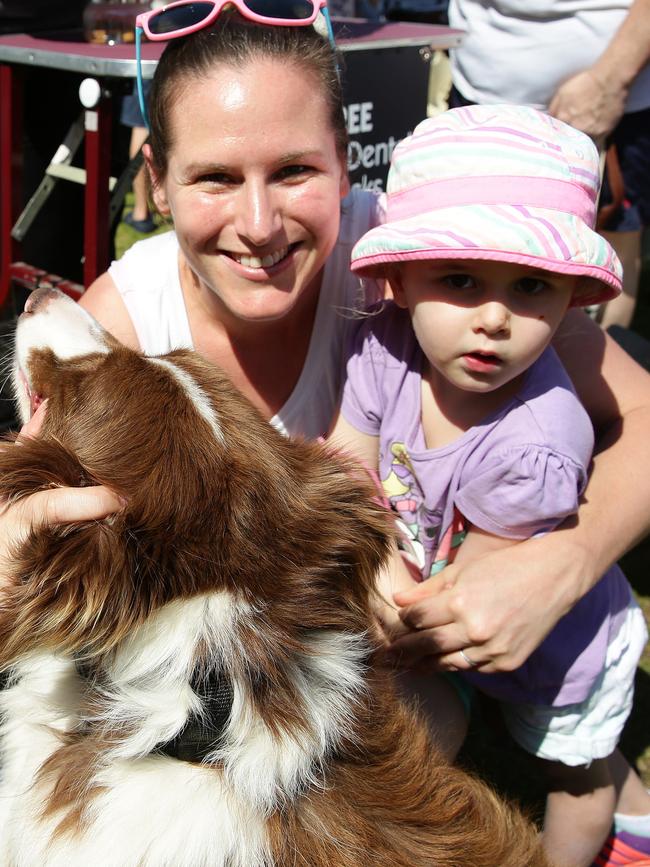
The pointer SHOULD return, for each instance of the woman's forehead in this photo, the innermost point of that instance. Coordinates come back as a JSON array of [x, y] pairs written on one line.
[[263, 105], [261, 84]]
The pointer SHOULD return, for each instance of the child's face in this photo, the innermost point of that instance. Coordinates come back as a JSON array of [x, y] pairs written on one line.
[[481, 324]]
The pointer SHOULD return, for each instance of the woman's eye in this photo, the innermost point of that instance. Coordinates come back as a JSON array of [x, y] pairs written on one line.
[[293, 171], [215, 179], [531, 285], [459, 281]]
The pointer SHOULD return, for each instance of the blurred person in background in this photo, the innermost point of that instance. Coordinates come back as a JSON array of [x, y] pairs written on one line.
[[586, 62]]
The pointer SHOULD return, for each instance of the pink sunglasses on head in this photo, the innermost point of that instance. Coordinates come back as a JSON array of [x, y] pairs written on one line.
[[185, 17]]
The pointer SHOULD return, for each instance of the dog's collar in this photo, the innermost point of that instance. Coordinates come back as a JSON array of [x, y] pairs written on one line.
[[202, 733]]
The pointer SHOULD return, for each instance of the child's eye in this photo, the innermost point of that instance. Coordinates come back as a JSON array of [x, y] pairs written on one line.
[[531, 285], [459, 281]]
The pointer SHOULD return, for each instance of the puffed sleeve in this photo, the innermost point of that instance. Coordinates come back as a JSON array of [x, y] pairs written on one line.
[[361, 404], [521, 491]]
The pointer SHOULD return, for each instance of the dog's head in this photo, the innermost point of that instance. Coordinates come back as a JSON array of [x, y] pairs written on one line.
[[215, 498]]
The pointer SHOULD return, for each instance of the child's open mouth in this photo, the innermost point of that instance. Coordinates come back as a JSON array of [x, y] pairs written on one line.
[[482, 362]]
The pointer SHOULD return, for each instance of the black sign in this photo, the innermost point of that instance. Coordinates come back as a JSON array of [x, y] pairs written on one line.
[[386, 97]]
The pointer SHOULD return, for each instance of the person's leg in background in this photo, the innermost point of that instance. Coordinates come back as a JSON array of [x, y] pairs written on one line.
[[140, 217], [140, 213], [624, 228], [628, 247]]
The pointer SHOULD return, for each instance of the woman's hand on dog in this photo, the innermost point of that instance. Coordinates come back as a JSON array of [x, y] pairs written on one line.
[[55, 506]]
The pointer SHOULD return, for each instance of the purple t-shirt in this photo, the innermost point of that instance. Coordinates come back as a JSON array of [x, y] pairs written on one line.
[[518, 473]]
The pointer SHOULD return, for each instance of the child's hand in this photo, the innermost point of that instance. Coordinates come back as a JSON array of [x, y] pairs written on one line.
[[395, 577], [389, 622], [410, 646]]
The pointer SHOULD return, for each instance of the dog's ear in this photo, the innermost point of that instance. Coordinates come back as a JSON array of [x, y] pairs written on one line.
[[35, 465], [66, 586]]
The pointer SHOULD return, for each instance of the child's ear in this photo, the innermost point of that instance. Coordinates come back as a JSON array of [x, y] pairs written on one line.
[[394, 278]]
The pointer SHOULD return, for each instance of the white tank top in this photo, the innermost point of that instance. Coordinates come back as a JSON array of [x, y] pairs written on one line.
[[148, 281], [520, 51]]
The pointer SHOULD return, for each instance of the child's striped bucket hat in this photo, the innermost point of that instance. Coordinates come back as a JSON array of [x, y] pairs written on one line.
[[500, 182]]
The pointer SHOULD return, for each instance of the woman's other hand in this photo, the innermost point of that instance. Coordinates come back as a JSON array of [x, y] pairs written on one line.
[[497, 608]]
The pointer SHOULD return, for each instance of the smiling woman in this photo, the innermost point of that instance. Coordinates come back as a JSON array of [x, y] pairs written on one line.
[[259, 257]]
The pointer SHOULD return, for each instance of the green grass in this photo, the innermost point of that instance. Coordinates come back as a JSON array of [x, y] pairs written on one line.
[[126, 236]]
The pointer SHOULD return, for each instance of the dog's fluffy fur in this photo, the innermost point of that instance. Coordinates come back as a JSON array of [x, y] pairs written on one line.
[[240, 551]]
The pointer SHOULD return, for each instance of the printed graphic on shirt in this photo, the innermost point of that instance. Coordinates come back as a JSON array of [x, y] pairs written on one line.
[[424, 541]]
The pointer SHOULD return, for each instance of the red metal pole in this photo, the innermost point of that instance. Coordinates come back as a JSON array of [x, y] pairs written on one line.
[[11, 169], [97, 195]]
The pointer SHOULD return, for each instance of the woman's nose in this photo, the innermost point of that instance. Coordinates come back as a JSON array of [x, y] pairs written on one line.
[[492, 318], [258, 216]]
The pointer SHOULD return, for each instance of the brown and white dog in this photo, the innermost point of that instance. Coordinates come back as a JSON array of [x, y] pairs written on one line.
[[191, 681]]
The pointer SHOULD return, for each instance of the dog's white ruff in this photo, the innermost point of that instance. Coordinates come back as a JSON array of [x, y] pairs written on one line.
[[155, 810]]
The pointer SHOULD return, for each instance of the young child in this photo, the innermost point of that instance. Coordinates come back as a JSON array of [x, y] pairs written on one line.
[[457, 399]]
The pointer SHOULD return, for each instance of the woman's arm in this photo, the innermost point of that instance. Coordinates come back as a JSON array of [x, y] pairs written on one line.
[[615, 390], [507, 601]]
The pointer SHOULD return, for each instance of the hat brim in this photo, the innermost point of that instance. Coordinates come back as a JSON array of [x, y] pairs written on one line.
[[539, 238]]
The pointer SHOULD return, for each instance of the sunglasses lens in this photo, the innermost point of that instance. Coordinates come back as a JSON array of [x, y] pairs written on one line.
[[293, 10], [179, 17]]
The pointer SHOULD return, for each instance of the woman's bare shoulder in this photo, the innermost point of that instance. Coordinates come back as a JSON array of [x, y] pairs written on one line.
[[103, 301]]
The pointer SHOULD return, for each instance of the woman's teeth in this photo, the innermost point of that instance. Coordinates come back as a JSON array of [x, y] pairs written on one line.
[[257, 262]]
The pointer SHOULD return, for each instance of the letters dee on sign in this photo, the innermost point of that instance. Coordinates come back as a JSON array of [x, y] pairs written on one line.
[[358, 116]]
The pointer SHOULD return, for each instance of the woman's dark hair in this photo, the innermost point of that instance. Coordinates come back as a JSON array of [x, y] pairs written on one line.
[[234, 41]]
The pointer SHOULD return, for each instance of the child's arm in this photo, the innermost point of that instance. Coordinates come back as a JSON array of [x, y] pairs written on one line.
[[396, 575]]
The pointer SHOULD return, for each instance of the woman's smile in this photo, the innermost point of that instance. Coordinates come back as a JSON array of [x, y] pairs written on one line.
[[260, 267]]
